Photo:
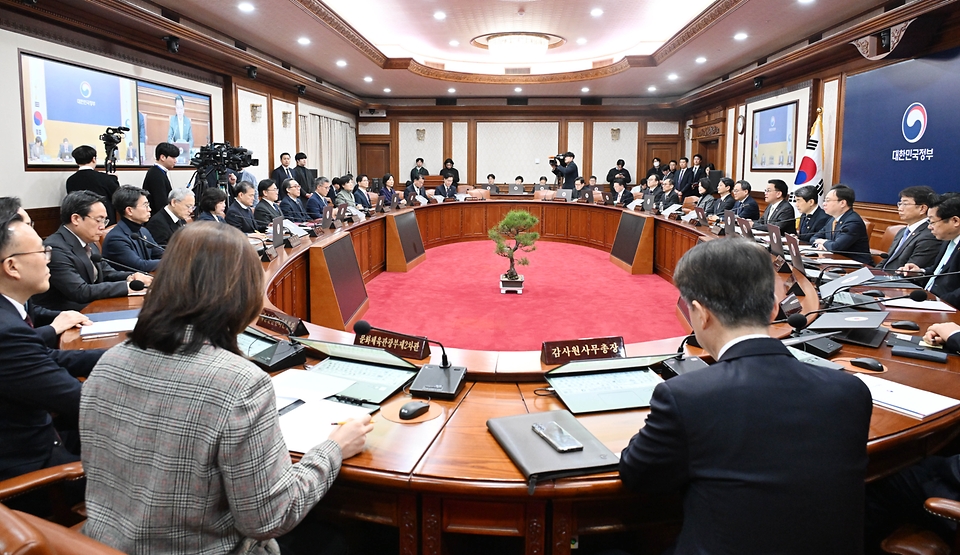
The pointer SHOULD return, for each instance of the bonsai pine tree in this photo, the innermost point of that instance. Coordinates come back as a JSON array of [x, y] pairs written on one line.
[[515, 225]]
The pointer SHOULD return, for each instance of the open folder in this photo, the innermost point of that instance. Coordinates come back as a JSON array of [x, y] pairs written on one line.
[[606, 384]]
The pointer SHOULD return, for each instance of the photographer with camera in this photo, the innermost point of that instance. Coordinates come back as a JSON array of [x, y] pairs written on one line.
[[102, 184], [564, 166]]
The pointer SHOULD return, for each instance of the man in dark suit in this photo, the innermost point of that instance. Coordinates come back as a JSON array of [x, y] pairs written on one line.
[[744, 207], [267, 209], [282, 173], [915, 243], [747, 474], [35, 380], [415, 188], [418, 169], [668, 195], [621, 195], [319, 200], [944, 216], [360, 192], [173, 216], [726, 200], [129, 243], [300, 172], [446, 189], [240, 213], [157, 183], [683, 177], [291, 206], [87, 178], [698, 170], [566, 170], [845, 232], [779, 211], [75, 279], [812, 217]]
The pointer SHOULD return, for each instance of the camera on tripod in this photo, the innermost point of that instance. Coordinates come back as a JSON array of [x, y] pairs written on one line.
[[112, 137], [213, 161]]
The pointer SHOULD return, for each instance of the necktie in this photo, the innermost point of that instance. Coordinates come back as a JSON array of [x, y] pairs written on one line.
[[680, 177], [903, 241], [951, 246], [289, 176], [181, 223], [96, 271], [28, 320]]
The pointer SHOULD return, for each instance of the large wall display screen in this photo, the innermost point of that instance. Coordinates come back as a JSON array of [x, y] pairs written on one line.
[[774, 138]]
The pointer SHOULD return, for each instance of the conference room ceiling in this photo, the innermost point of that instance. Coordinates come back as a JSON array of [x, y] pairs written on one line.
[[632, 46]]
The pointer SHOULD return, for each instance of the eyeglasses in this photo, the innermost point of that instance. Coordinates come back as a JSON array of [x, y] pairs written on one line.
[[826, 200], [100, 221], [931, 221], [46, 252], [901, 203]]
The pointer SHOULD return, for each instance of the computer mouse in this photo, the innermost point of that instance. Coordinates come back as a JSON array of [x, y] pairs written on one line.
[[874, 293], [905, 325], [413, 409], [866, 363]]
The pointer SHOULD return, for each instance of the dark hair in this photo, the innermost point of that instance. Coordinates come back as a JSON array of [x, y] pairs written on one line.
[[683, 159], [707, 185], [947, 205], [727, 181], [520, 177], [921, 194], [183, 310], [490, 175], [264, 185], [127, 196], [418, 177], [211, 197], [656, 177], [844, 193], [579, 180], [705, 274], [166, 149], [620, 181], [282, 154], [710, 166], [84, 154], [656, 158], [361, 177], [287, 183], [807, 193], [8, 215], [300, 156], [744, 184], [242, 187], [569, 153], [9, 204], [178, 98], [668, 179], [593, 177], [697, 155], [418, 160], [383, 181], [780, 185], [337, 183], [620, 162], [543, 178], [79, 203], [448, 161]]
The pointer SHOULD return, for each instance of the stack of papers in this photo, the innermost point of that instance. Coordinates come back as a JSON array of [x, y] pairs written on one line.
[[109, 323], [923, 305], [306, 416], [906, 400]]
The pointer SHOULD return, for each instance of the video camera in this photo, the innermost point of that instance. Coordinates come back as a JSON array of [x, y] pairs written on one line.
[[559, 159], [112, 137], [212, 163]]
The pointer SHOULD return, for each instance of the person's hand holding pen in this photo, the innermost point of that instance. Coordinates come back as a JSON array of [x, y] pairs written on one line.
[[351, 435]]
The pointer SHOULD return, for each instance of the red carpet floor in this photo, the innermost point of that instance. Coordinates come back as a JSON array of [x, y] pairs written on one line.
[[570, 292]]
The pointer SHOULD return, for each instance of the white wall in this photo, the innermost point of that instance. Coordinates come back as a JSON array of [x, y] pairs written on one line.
[[509, 149], [606, 151], [430, 148], [284, 138], [38, 189], [255, 135]]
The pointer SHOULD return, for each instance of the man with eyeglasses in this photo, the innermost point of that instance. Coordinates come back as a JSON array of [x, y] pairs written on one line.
[[291, 205], [163, 224], [845, 232], [267, 209], [914, 243], [35, 380], [779, 211], [78, 275], [944, 217], [129, 243]]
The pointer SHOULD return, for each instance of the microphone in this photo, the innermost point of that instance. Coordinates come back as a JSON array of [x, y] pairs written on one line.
[[149, 242], [97, 257], [362, 327], [798, 321], [137, 285]]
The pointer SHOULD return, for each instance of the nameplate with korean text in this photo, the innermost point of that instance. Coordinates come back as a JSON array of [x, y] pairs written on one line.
[[562, 352], [406, 346]]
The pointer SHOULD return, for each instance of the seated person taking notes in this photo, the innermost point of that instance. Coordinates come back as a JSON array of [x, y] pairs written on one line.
[[845, 232], [446, 189], [784, 472], [179, 416], [78, 274], [129, 243], [415, 188]]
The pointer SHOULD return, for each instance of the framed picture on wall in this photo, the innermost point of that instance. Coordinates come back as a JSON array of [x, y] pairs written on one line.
[[773, 139]]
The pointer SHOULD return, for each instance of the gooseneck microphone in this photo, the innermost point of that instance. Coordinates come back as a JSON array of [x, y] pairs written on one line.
[[135, 284], [149, 242], [798, 320]]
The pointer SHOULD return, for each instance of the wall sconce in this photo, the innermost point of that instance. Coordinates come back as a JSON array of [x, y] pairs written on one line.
[[421, 134], [614, 133], [256, 111], [687, 133], [287, 119]]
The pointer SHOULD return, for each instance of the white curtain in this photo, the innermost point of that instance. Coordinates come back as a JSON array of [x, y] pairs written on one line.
[[333, 143]]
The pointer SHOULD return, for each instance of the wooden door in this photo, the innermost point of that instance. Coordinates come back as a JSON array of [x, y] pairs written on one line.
[[373, 159], [710, 150], [665, 151]]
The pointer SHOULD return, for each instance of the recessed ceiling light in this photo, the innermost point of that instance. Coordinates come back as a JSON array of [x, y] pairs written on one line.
[[246, 7], [368, 79], [303, 40], [740, 36], [439, 16], [596, 12], [701, 60], [454, 43], [806, 1], [341, 63], [581, 41], [386, 90], [518, 89], [585, 89], [672, 77], [651, 88], [451, 90]]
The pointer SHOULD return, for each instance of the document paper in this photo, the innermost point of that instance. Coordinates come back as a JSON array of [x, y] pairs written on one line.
[[906, 400]]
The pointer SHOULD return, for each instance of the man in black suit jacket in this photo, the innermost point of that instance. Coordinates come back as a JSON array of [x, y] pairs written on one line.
[[744, 207], [621, 195], [267, 209], [157, 183], [240, 213], [812, 217], [282, 173], [683, 177], [35, 380], [446, 189], [779, 211], [726, 200], [944, 217], [566, 170], [698, 170], [665, 196], [739, 440], [914, 243], [418, 169], [291, 206], [75, 280], [300, 172], [129, 243], [165, 221], [87, 178], [845, 232], [415, 187]]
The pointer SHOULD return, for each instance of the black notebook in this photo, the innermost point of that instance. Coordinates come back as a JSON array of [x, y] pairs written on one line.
[[538, 460]]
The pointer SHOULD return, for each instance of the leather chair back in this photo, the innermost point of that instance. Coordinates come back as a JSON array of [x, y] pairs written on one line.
[[479, 193], [23, 534], [544, 194]]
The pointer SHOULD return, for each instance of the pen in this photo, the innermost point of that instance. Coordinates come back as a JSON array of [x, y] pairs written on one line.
[[345, 421], [100, 336]]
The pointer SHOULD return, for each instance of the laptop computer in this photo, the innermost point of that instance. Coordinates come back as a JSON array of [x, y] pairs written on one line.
[[586, 195], [850, 280], [607, 197], [648, 202], [564, 194], [539, 187], [848, 320], [746, 228], [793, 245], [701, 216], [776, 240], [606, 384], [729, 223], [516, 189], [376, 373]]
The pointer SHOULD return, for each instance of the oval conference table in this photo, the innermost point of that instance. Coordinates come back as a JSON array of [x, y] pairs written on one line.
[[448, 475]]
